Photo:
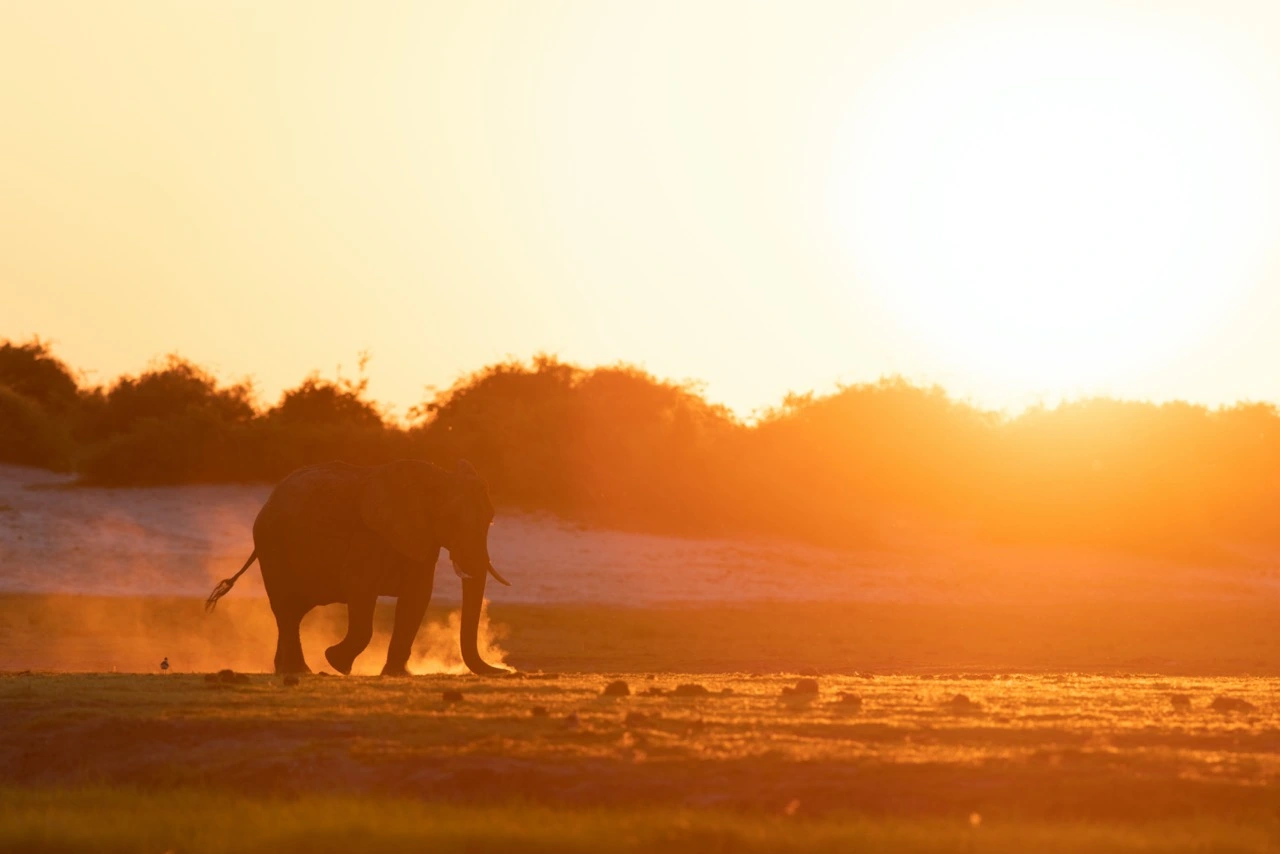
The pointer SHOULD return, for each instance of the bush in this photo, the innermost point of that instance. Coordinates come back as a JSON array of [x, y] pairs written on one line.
[[30, 436], [175, 390], [33, 372], [323, 403]]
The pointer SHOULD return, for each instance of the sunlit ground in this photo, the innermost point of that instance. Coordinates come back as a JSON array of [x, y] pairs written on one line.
[[894, 762]]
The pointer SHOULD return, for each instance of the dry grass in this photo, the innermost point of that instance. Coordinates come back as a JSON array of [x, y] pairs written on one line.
[[1023, 747], [195, 822], [544, 761]]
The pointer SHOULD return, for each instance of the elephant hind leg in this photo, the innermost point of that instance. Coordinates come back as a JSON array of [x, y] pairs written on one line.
[[359, 632], [289, 658]]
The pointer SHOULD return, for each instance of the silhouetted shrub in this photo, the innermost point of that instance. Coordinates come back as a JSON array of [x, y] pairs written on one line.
[[189, 447], [31, 436], [177, 389], [329, 404], [33, 372]]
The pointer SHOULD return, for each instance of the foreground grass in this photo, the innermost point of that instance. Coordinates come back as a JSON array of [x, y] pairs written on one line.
[[194, 820], [1012, 748]]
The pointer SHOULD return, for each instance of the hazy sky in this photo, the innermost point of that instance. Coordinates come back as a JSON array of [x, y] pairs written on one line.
[[1011, 199]]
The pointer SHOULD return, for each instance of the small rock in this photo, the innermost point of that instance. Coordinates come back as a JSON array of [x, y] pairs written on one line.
[[229, 677], [690, 689], [572, 721], [803, 688], [636, 719], [960, 703], [850, 701], [291, 680], [450, 697], [1232, 704], [539, 711], [1180, 701], [617, 688]]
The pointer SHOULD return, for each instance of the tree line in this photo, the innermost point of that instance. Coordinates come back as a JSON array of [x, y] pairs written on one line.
[[616, 446]]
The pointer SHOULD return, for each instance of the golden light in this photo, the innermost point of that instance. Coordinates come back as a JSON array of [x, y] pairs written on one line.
[[1054, 207]]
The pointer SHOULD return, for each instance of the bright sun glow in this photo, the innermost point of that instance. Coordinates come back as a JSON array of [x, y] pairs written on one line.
[[1053, 209]]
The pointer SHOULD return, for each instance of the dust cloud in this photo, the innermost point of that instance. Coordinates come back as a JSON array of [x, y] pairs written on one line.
[[436, 649], [132, 634]]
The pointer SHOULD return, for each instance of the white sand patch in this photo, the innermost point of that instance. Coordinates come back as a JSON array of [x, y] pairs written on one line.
[[55, 537]]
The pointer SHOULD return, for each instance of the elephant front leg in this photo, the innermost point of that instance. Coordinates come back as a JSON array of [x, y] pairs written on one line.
[[410, 609], [359, 632]]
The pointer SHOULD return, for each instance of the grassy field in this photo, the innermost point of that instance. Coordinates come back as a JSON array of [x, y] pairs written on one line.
[[1066, 762], [105, 820], [891, 753]]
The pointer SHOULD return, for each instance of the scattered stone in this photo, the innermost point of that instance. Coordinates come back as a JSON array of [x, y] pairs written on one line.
[[539, 711], [962, 704], [690, 689], [803, 688], [227, 677], [1232, 704], [291, 680], [451, 697], [1180, 701], [850, 701], [617, 688], [725, 692]]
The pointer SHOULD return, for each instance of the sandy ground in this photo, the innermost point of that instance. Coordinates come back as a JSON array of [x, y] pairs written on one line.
[[179, 541]]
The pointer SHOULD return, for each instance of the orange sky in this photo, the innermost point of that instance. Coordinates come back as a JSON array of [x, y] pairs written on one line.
[[766, 197]]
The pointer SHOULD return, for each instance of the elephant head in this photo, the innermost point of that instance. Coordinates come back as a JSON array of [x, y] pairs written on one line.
[[419, 508]]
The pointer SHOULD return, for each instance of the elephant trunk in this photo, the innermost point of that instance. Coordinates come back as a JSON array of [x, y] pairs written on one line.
[[472, 600]]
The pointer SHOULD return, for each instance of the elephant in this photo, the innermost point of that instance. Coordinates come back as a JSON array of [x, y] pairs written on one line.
[[336, 532]]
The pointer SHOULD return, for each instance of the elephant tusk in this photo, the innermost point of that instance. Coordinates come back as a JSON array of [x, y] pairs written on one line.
[[498, 576]]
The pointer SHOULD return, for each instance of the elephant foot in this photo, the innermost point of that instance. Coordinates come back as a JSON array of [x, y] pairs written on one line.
[[338, 661], [394, 670]]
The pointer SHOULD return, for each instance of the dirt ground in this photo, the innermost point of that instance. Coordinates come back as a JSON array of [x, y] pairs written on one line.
[[132, 635], [1003, 747]]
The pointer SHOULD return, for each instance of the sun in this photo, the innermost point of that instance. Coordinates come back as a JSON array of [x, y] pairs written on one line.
[[1054, 207]]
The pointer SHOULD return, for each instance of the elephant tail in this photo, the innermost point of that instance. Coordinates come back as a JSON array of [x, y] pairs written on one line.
[[225, 585]]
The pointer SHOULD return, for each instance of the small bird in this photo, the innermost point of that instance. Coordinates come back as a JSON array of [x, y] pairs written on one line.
[[164, 665]]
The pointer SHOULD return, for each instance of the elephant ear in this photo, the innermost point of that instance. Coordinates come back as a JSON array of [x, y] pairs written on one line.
[[399, 503]]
